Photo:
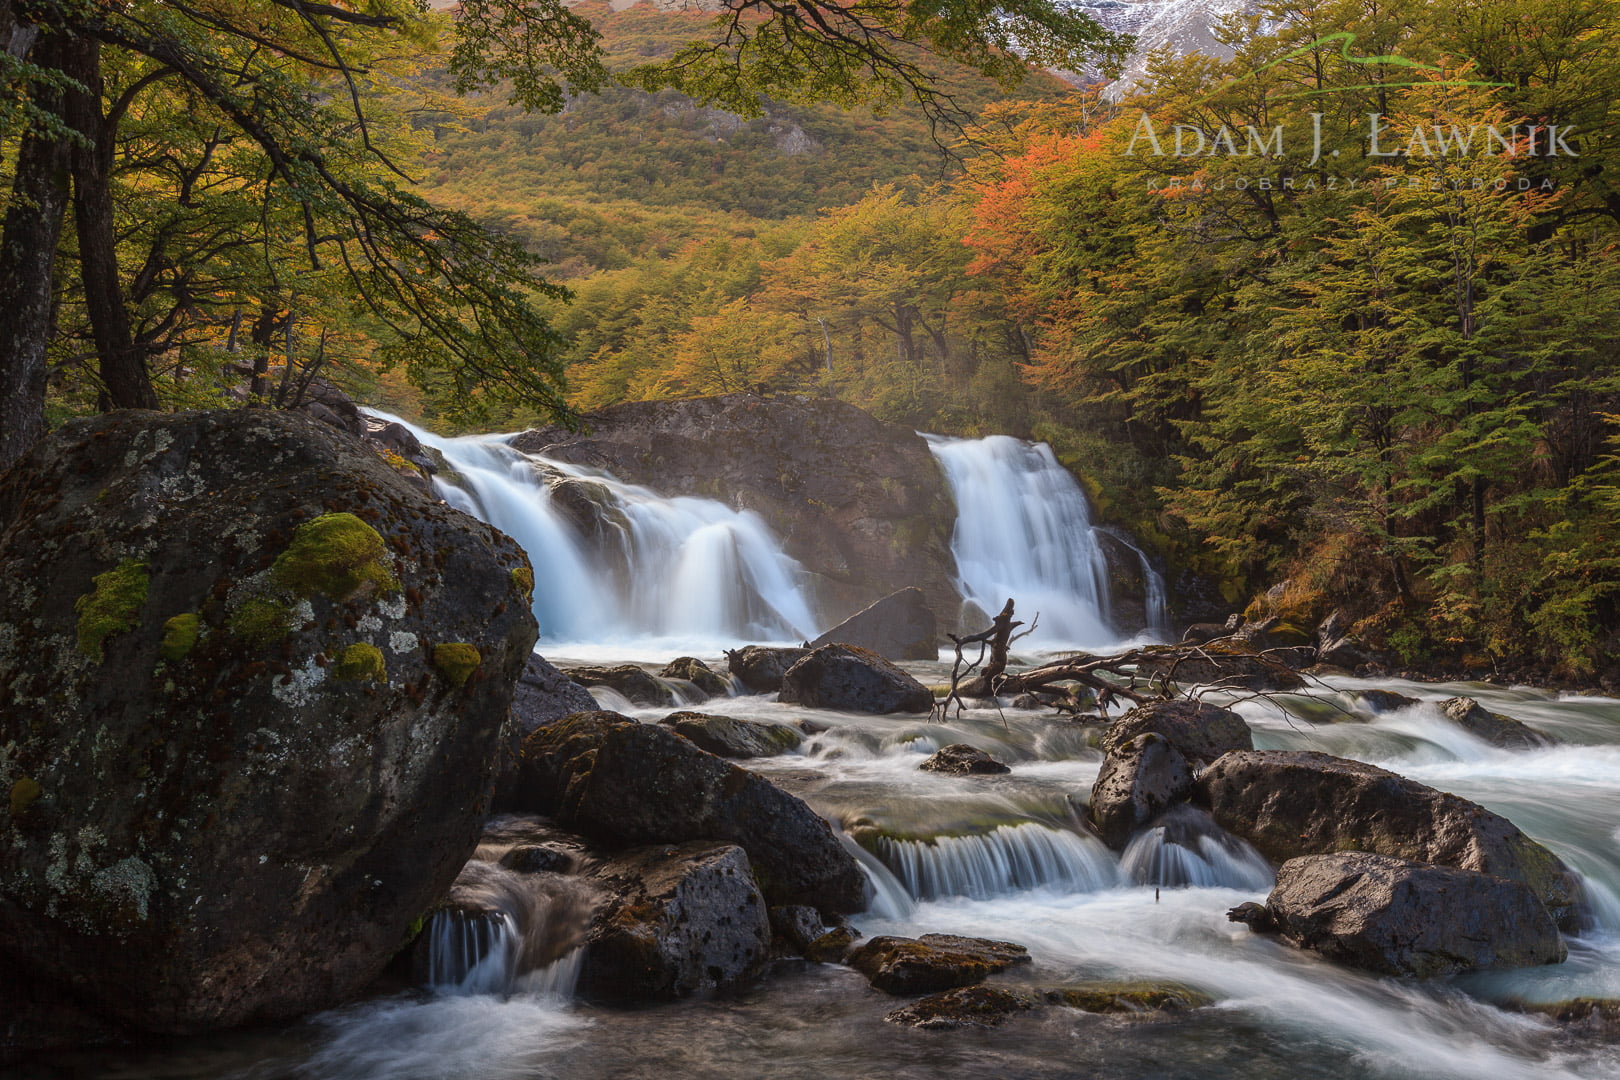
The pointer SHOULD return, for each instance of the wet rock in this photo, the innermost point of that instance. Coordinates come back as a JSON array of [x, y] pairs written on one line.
[[1343, 652], [544, 694], [730, 737], [966, 1006], [1200, 731], [898, 965], [1226, 662], [1382, 701], [1256, 917], [833, 946], [1493, 727], [1592, 1018], [254, 685], [1290, 803], [637, 685], [761, 667], [859, 502], [900, 627], [538, 859], [1139, 781], [853, 680], [1128, 998], [680, 920], [623, 782], [1027, 701], [698, 674], [797, 926], [960, 759], [1399, 917]]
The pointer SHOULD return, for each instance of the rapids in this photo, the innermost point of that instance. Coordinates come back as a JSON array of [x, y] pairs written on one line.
[[1009, 860]]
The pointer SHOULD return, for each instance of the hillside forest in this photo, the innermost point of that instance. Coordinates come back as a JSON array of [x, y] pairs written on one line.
[[1310, 376]]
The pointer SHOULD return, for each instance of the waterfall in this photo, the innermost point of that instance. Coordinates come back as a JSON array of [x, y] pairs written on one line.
[[654, 566], [473, 952], [1186, 847], [1009, 858], [1024, 530]]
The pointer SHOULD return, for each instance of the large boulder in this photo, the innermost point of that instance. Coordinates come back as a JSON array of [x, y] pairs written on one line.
[[1399, 917], [544, 694], [960, 759], [254, 688], [730, 737], [1139, 781], [679, 921], [900, 627], [628, 783], [1493, 727], [1290, 803], [760, 667], [859, 502], [854, 680], [1202, 732], [933, 962]]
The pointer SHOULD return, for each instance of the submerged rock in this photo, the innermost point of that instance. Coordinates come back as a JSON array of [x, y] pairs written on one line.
[[853, 680], [898, 965], [698, 674], [960, 759], [1290, 803], [628, 783], [1200, 731], [761, 667], [833, 946], [730, 737], [1593, 1018], [637, 684], [1382, 701], [966, 1006], [1129, 998], [1399, 917], [899, 627], [254, 684], [1139, 780], [1493, 727], [680, 920]]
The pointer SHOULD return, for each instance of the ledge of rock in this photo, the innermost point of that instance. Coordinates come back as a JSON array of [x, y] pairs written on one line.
[[628, 783], [899, 627]]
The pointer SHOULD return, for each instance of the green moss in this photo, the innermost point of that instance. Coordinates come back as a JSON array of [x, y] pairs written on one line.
[[260, 621], [180, 636], [456, 661], [23, 794], [334, 555], [112, 607], [1129, 997], [361, 661], [523, 582]]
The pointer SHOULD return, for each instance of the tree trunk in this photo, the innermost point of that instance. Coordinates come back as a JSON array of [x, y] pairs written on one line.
[[1001, 628], [123, 361], [33, 226]]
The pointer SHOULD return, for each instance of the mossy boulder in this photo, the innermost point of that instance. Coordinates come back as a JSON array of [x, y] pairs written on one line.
[[214, 780], [730, 737], [698, 674], [965, 1007], [1128, 998], [923, 965]]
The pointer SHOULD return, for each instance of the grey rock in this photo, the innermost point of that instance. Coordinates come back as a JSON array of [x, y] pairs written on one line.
[[1139, 781], [853, 680], [899, 627]]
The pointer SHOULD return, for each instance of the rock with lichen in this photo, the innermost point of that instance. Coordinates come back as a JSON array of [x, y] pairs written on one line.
[[254, 685]]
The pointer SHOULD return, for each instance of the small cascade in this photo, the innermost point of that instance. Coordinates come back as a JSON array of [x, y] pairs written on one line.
[[622, 561], [1187, 848], [1009, 858], [503, 932], [1024, 530]]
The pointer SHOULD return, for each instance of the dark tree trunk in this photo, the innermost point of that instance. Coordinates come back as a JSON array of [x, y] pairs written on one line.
[[123, 361], [33, 226]]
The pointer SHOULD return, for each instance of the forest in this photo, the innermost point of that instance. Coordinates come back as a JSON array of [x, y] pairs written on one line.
[[1315, 375]]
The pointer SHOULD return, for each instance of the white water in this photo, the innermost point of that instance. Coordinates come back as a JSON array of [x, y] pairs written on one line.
[[1008, 859], [676, 573], [1024, 530]]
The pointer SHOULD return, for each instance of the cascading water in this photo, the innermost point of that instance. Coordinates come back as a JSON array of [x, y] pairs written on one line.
[[1024, 530], [1186, 848], [673, 568], [1006, 859]]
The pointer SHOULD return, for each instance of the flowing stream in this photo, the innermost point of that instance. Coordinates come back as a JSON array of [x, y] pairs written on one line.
[[1005, 857]]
